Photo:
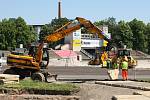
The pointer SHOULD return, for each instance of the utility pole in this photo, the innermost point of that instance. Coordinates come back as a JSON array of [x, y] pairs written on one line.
[[59, 9]]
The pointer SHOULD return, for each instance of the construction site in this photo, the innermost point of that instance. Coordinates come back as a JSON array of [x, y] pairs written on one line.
[[85, 66]]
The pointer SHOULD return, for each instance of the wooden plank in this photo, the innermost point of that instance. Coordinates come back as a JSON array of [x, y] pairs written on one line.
[[8, 78]]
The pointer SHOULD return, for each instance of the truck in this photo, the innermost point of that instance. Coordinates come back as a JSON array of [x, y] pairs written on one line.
[[35, 63]]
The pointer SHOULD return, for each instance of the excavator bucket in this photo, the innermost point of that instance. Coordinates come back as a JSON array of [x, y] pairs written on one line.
[[44, 77], [51, 77]]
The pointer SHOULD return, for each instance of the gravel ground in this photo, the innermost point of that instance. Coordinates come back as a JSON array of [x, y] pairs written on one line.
[[91, 91]]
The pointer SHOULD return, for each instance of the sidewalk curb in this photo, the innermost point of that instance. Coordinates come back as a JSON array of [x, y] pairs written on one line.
[[123, 86], [130, 97]]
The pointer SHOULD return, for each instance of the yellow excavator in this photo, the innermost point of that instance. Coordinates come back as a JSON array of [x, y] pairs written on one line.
[[35, 64]]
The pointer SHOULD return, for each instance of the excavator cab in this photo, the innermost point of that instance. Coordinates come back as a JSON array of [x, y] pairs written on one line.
[[45, 55], [45, 59], [123, 52]]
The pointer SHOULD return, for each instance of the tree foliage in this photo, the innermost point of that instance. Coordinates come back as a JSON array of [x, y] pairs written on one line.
[[147, 34], [138, 30], [135, 34], [14, 32], [125, 33]]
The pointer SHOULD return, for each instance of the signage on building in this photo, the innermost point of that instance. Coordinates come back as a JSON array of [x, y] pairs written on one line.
[[105, 29], [106, 34], [77, 35], [77, 43], [91, 43], [77, 40]]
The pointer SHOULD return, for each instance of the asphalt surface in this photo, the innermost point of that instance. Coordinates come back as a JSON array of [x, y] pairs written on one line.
[[91, 73], [94, 73]]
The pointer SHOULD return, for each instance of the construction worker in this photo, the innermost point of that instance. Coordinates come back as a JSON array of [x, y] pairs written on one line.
[[116, 68], [116, 64], [124, 66], [110, 68], [109, 63]]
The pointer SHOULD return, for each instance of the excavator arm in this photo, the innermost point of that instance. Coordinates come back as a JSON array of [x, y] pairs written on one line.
[[73, 26]]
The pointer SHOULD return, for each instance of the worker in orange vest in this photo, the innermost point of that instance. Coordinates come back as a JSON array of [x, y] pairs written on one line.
[[124, 66]]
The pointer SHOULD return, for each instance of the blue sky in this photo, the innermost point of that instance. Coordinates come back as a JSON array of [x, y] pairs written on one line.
[[43, 11]]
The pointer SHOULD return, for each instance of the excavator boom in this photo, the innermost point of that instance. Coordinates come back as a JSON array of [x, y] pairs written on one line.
[[73, 26]]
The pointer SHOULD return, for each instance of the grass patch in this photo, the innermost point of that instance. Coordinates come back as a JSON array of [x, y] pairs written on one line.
[[34, 86]]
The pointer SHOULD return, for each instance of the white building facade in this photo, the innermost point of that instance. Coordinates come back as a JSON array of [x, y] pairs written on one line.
[[78, 40]]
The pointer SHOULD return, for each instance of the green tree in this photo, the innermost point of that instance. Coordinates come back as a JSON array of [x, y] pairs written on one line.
[[124, 34], [147, 33], [138, 30], [57, 23], [14, 32], [7, 30], [110, 22], [24, 33]]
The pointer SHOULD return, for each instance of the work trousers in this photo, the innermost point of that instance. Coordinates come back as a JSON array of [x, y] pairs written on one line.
[[124, 74]]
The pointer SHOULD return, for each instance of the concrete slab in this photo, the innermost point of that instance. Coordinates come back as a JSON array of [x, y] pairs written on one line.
[[127, 84], [143, 64], [144, 93], [130, 97]]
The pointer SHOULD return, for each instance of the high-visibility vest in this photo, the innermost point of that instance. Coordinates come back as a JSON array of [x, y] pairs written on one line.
[[115, 65], [124, 65], [109, 63]]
